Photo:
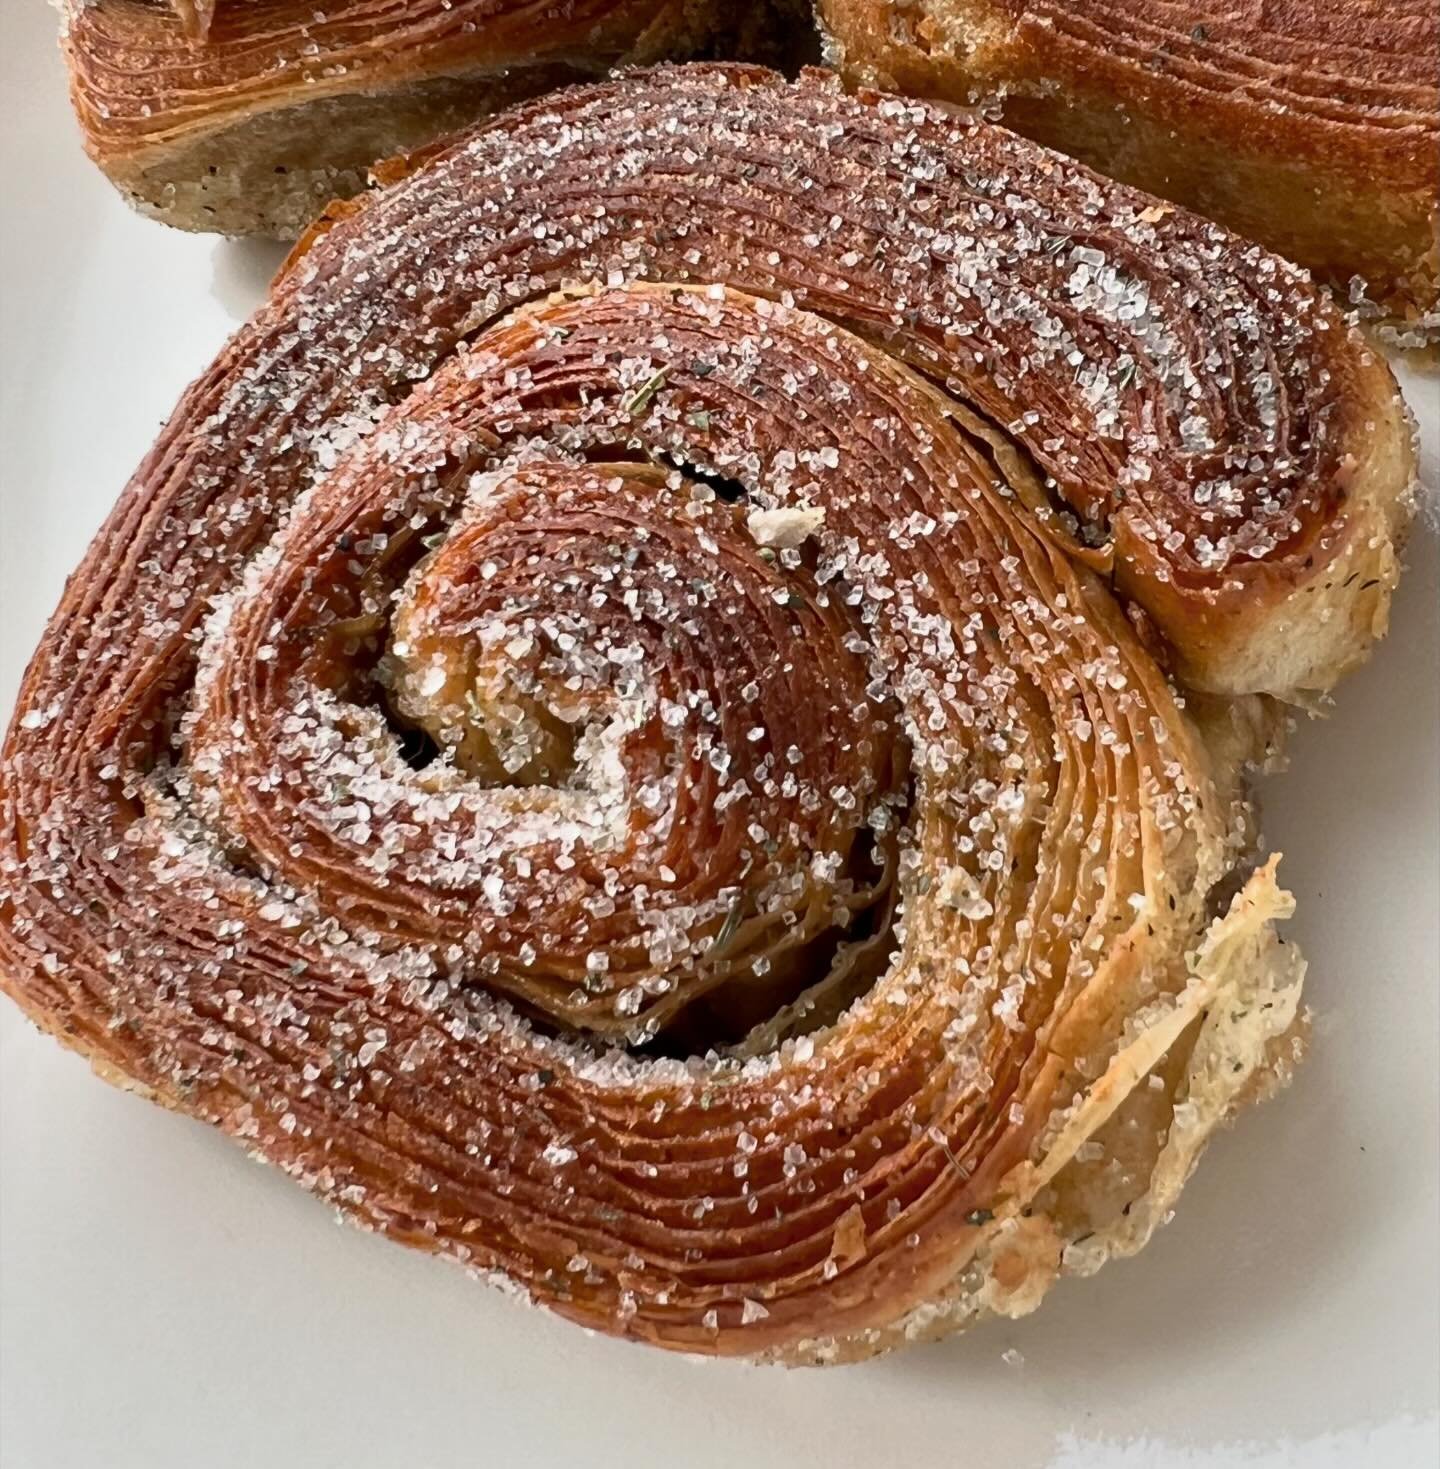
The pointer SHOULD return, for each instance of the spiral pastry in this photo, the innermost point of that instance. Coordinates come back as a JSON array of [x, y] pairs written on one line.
[[246, 117], [603, 741], [1312, 126]]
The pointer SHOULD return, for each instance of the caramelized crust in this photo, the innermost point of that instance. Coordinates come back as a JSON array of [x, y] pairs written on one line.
[[249, 116], [1311, 125], [602, 740]]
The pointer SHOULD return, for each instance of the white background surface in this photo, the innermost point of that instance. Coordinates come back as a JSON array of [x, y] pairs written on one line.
[[163, 1302]]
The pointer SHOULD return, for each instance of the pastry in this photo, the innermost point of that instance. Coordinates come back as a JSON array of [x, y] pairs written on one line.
[[629, 731], [1310, 125], [246, 117]]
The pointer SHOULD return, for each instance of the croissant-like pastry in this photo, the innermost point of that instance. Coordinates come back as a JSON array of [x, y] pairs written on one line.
[[246, 117], [1311, 125], [602, 739]]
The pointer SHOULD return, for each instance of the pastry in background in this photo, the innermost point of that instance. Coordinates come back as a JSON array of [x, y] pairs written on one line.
[[1312, 126], [246, 117]]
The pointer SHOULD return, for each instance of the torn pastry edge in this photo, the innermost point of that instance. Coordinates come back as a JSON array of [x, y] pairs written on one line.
[[1241, 961]]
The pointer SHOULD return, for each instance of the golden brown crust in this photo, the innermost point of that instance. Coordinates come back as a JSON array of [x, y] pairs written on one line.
[[1311, 125], [870, 771], [243, 117]]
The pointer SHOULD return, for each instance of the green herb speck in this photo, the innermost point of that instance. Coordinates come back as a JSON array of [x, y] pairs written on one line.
[[639, 400]]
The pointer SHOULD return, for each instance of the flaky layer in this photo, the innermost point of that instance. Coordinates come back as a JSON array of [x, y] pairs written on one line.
[[602, 738], [1313, 126]]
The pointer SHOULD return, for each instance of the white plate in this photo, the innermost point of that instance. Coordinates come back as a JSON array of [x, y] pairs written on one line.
[[165, 1303]]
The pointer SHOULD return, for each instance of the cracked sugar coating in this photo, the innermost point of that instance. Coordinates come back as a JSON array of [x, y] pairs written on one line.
[[601, 740]]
